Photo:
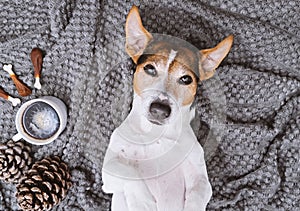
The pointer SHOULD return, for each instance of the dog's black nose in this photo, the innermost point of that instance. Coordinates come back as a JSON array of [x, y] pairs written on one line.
[[159, 110]]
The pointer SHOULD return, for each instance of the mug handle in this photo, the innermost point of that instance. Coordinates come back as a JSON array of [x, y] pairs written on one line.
[[17, 137]]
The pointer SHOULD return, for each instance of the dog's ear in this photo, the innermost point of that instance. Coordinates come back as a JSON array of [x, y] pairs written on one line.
[[137, 37], [211, 58]]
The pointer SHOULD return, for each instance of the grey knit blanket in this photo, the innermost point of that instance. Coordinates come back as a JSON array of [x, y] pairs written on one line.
[[248, 116]]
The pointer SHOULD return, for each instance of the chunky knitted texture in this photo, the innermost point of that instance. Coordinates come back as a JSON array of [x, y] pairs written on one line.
[[248, 115]]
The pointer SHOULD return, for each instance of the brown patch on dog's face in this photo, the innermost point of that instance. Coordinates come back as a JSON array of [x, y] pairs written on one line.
[[184, 93], [169, 75]]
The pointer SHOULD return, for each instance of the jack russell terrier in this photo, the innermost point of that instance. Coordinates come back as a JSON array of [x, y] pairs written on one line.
[[154, 161]]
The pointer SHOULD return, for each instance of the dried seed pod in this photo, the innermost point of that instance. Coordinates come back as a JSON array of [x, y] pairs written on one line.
[[15, 160], [23, 90], [45, 185]]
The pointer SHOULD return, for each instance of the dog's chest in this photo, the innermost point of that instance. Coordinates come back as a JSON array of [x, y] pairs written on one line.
[[147, 146], [168, 189]]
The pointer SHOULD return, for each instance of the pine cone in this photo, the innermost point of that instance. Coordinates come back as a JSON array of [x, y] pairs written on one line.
[[44, 185], [15, 160]]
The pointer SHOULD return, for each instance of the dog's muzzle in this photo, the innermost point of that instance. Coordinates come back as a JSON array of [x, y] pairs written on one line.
[[159, 111]]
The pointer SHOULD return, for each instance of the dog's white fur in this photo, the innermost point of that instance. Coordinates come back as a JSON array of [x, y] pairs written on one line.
[[132, 160]]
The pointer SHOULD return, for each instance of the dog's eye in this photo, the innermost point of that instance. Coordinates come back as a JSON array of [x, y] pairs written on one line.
[[150, 70], [185, 80]]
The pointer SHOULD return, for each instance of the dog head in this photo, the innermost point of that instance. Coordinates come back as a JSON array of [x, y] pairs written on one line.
[[168, 70]]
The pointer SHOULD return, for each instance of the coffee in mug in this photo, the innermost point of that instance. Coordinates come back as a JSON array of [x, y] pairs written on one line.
[[40, 121]]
